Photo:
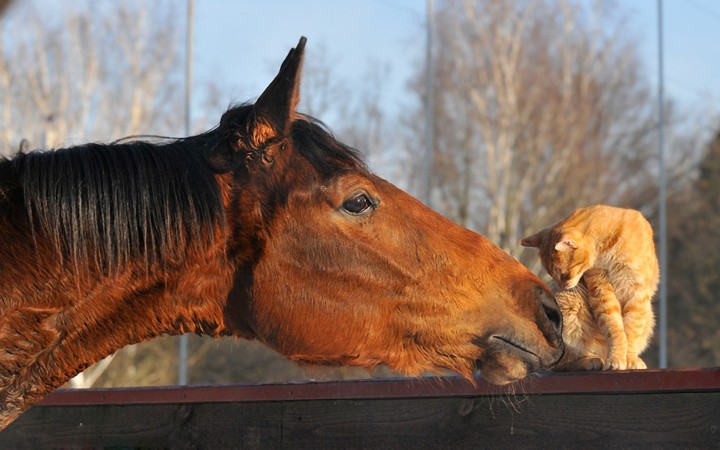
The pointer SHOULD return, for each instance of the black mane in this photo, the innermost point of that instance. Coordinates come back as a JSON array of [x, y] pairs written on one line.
[[109, 204], [327, 155]]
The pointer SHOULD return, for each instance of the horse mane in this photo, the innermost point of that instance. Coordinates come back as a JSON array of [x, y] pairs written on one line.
[[314, 141], [112, 204], [106, 205]]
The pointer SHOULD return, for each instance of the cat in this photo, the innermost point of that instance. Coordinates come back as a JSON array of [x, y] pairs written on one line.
[[604, 263]]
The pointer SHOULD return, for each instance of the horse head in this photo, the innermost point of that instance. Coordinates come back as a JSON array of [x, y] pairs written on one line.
[[342, 267]]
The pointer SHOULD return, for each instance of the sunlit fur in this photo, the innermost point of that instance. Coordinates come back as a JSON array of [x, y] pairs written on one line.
[[604, 262], [242, 231]]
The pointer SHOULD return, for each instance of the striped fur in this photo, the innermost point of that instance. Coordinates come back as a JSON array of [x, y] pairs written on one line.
[[603, 261]]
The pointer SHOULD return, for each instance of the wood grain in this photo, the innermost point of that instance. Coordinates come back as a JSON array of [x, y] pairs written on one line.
[[660, 414], [555, 421]]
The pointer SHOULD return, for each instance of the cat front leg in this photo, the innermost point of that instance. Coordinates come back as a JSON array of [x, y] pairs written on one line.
[[639, 321], [607, 311]]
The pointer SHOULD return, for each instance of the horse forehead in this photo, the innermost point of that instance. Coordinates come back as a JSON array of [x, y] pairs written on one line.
[[353, 179], [337, 187]]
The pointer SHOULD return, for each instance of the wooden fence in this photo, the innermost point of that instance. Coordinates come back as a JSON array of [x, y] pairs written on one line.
[[642, 409]]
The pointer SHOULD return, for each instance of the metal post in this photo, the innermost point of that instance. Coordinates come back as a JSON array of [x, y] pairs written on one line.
[[183, 350], [662, 195], [429, 112]]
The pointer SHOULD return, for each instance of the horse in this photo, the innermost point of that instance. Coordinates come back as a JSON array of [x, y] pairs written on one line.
[[265, 227]]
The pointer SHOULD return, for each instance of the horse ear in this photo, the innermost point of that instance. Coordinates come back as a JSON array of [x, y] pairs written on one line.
[[533, 241], [251, 135], [275, 108]]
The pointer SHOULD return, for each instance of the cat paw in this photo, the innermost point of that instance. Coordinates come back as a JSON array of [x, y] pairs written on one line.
[[590, 362], [615, 363], [634, 362], [587, 363]]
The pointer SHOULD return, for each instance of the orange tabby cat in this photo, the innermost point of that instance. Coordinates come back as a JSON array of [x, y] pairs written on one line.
[[603, 260]]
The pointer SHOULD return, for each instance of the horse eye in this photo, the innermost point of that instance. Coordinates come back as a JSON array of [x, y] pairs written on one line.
[[357, 205]]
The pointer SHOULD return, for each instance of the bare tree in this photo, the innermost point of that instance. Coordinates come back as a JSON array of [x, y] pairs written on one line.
[[694, 257], [353, 111], [322, 87], [4, 4], [72, 79], [541, 107]]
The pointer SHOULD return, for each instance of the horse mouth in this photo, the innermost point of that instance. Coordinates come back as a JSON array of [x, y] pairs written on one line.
[[507, 360], [530, 358]]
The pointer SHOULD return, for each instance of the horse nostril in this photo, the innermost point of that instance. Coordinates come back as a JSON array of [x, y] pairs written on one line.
[[552, 312], [554, 316]]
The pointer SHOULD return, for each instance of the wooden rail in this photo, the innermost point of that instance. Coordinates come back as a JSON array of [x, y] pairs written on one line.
[[657, 408]]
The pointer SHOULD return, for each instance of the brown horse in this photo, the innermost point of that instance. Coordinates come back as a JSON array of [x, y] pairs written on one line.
[[264, 227]]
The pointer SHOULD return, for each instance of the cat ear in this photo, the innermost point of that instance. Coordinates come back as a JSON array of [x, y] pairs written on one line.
[[533, 241], [565, 244]]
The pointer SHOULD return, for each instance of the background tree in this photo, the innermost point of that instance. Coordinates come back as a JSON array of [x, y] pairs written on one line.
[[93, 73], [541, 107], [4, 4], [694, 259]]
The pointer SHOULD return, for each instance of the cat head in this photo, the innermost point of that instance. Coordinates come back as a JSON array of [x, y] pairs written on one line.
[[565, 254]]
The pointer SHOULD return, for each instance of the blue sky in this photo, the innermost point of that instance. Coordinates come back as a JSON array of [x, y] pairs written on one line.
[[240, 44], [691, 52]]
